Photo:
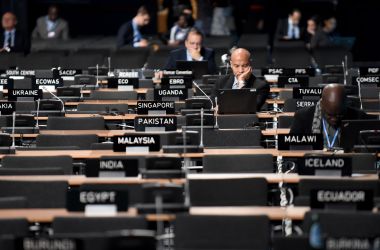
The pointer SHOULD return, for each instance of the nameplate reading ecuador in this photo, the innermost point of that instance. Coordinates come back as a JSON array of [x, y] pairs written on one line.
[[69, 72], [302, 81], [325, 165], [47, 243], [366, 80], [123, 83], [176, 82], [156, 123], [367, 71], [136, 143], [299, 92], [13, 94], [289, 71], [300, 142], [341, 198], [5, 82], [170, 94], [7, 108], [155, 107], [112, 167], [16, 72]]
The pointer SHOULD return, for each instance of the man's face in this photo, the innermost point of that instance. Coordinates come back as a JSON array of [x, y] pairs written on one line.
[[53, 13], [9, 21], [143, 20], [330, 24], [333, 113], [193, 42], [295, 17], [311, 25], [239, 64]]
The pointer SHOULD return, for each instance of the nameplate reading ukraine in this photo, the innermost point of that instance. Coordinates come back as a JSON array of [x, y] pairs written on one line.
[[340, 198], [7, 108], [13, 94], [302, 81], [48, 243], [300, 92], [155, 107], [325, 165], [300, 141], [149, 141], [156, 123]]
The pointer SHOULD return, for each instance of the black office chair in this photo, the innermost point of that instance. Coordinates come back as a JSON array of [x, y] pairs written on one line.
[[80, 141], [236, 121], [103, 108], [113, 95], [75, 123], [291, 242], [18, 227], [232, 137], [296, 57], [129, 58], [285, 121]]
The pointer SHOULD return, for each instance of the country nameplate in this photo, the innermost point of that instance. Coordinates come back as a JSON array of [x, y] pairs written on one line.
[[136, 143], [325, 165], [305, 103], [13, 94], [300, 142], [47, 243], [170, 94], [340, 198], [5, 83], [112, 167], [155, 123], [300, 92], [155, 107], [7, 108]]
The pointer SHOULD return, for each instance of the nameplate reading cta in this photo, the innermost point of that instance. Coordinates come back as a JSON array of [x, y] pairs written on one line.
[[300, 141], [155, 107], [302, 81], [155, 123], [121, 143], [13, 94], [299, 92]]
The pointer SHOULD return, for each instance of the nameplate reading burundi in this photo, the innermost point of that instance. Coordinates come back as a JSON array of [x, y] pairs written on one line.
[[43, 243]]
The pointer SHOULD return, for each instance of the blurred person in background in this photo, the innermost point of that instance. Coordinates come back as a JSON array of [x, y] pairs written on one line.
[[290, 28], [11, 38], [222, 18], [311, 30], [51, 26], [324, 36], [179, 31]]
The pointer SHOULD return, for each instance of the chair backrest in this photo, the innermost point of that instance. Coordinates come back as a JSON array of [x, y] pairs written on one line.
[[81, 141], [113, 95], [260, 163], [236, 121], [232, 137], [118, 108], [285, 121], [291, 57], [39, 194], [228, 192], [291, 242], [331, 56], [75, 123], [221, 232], [16, 227], [63, 162]]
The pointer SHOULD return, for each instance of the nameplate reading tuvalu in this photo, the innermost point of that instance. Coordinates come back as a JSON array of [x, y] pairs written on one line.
[[300, 142], [325, 165], [299, 92], [13, 94], [155, 107], [149, 141]]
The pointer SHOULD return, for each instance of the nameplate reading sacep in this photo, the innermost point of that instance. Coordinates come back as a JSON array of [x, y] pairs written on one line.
[[112, 167], [289, 71], [366, 80], [300, 142], [5, 82], [13, 94], [16, 72], [7, 108], [325, 165], [367, 71], [176, 82], [300, 93], [155, 107], [123, 83], [69, 72], [302, 81], [45, 243], [155, 123], [136, 143], [170, 94], [360, 199]]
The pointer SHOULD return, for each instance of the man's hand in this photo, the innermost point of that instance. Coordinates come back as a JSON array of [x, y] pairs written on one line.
[[143, 43], [195, 54], [245, 75]]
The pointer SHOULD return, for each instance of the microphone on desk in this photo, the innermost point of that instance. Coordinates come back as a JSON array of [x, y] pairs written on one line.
[[109, 66], [198, 87], [97, 76], [37, 114], [56, 97], [81, 91], [201, 140], [226, 61], [13, 130], [216, 125]]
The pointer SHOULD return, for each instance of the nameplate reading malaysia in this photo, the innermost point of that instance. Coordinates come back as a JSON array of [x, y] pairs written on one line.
[[370, 80], [69, 72], [325, 165], [105, 201], [16, 72], [176, 82], [187, 73], [13, 94], [123, 83], [289, 71], [136, 143], [112, 167], [5, 82], [155, 107], [299, 92], [44, 243], [155, 123], [170, 94], [302, 81], [367, 71], [360, 199], [300, 142], [7, 108]]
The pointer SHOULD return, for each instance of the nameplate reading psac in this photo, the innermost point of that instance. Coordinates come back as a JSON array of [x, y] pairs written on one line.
[[44, 243], [325, 165], [13, 94], [123, 83], [300, 142], [299, 92], [170, 94], [155, 107], [156, 123], [149, 141], [112, 167], [302, 81], [289, 71], [370, 80], [7, 108], [360, 199], [176, 82]]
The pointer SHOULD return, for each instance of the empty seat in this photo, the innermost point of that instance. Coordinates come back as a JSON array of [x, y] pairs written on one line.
[[291, 242], [42, 60], [101, 108], [80, 141], [232, 137], [253, 41], [236, 121], [129, 58], [158, 59], [75, 123], [285, 121], [10, 60], [113, 95], [18, 227], [260, 58], [296, 57], [81, 61], [331, 56], [260, 163]]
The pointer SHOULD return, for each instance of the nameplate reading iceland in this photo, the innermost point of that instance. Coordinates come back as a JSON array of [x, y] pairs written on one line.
[[69, 72], [7, 108], [170, 94], [299, 92], [15, 72], [45, 243], [366, 80], [300, 141], [156, 123], [13, 94], [360, 199], [176, 82], [155, 107], [120, 83], [366, 71], [325, 165], [122, 143], [302, 81], [112, 167]]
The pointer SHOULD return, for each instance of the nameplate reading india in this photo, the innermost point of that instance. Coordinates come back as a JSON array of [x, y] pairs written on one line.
[[112, 167], [155, 107], [325, 165], [300, 142], [14, 94], [136, 143]]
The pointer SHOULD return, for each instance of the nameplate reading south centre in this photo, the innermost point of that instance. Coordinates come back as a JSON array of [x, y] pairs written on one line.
[[155, 123], [16, 72], [5, 82], [7, 108], [123, 83], [176, 82], [48, 243], [136, 143], [360, 199], [302, 81], [366, 80], [13, 94], [300, 142], [155, 107], [170, 94], [367, 71], [300, 93], [325, 165]]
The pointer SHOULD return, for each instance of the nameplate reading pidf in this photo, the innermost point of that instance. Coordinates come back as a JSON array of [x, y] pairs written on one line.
[[325, 165], [367, 71], [176, 82], [7, 108], [13, 94], [300, 142], [300, 92], [170, 94], [156, 123], [155, 107], [112, 167], [132, 142], [289, 71], [340, 198], [302, 81], [123, 83], [48, 243]]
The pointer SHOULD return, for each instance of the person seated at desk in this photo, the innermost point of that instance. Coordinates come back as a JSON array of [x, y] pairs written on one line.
[[11, 38], [289, 28], [193, 51], [130, 32], [51, 26], [242, 77], [179, 31], [326, 116]]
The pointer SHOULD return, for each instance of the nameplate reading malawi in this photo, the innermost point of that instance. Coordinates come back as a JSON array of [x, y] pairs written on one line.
[[299, 92], [302, 81], [123, 83], [112, 167], [13, 94], [176, 82], [170, 94], [45, 243], [155, 107], [300, 141], [370, 80], [325, 165], [340, 198], [7, 108], [156, 123], [125, 142]]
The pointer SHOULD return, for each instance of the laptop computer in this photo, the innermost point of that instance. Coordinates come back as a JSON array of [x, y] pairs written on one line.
[[237, 101], [199, 68]]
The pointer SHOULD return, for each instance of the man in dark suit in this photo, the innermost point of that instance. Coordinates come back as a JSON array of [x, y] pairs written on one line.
[[242, 77], [289, 28], [130, 32], [193, 51], [326, 116], [12, 39]]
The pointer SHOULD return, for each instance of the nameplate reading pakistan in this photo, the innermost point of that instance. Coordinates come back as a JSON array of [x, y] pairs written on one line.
[[156, 123], [155, 107], [7, 108]]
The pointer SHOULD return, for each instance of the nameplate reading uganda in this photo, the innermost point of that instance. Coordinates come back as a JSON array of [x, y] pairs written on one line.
[[5, 82], [155, 123], [302, 81], [13, 94], [367, 71], [16, 72], [155, 107], [300, 141], [289, 71], [51, 243], [121, 143], [123, 82], [300, 92], [7, 108], [69, 72], [112, 167], [325, 165], [170, 94], [176, 82], [57, 82], [360, 199], [366, 80]]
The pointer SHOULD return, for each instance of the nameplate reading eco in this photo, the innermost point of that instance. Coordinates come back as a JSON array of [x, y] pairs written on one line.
[[302, 81], [360, 199], [5, 82], [123, 82], [300, 142], [13, 94], [156, 123], [299, 92], [176, 82], [122, 143], [325, 165], [155, 107], [112, 167], [170, 94]]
